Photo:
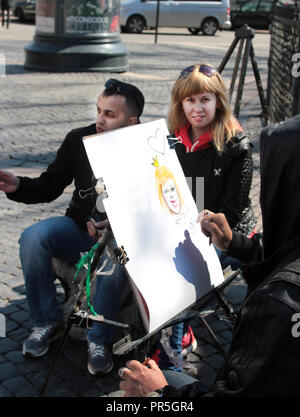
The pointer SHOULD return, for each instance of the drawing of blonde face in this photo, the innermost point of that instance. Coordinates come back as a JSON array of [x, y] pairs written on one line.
[[171, 196], [168, 192]]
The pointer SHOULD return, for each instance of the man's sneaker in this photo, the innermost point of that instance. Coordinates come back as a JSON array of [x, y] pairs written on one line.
[[99, 359], [37, 344], [189, 342]]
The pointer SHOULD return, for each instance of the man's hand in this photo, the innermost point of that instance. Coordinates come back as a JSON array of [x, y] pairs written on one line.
[[9, 183], [95, 229], [139, 380], [216, 227]]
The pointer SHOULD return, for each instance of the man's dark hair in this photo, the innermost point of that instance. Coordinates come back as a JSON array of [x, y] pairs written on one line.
[[134, 97]]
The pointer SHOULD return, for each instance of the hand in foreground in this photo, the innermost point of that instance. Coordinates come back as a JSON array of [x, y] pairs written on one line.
[[216, 227], [139, 380], [9, 183], [95, 229]]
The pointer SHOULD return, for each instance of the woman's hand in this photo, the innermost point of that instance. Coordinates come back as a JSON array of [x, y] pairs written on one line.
[[216, 227], [139, 380]]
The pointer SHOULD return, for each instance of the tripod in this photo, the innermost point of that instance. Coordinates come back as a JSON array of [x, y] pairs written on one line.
[[243, 34]]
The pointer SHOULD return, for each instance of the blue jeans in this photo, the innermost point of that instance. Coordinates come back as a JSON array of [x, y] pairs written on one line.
[[60, 237], [175, 341]]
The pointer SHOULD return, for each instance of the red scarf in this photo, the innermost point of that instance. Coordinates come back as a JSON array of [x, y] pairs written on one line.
[[203, 142]]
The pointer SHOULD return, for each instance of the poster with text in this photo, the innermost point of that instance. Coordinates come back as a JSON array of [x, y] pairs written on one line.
[[93, 16], [45, 16], [154, 217]]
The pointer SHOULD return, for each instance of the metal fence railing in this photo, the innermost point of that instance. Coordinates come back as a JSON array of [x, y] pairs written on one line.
[[284, 61]]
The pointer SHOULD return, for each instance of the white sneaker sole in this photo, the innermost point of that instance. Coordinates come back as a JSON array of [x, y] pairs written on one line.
[[93, 372], [31, 354]]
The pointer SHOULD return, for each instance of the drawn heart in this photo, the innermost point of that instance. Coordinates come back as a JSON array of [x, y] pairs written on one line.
[[157, 142]]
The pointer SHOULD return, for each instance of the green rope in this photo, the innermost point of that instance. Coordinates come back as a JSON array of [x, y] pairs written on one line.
[[87, 259]]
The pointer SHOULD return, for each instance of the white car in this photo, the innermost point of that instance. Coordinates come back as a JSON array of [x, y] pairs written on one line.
[[195, 15]]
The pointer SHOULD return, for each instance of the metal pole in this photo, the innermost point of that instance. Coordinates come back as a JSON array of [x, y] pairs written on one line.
[[157, 19], [213, 336], [60, 348]]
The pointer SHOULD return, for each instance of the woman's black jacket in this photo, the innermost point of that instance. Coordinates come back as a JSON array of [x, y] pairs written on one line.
[[227, 180]]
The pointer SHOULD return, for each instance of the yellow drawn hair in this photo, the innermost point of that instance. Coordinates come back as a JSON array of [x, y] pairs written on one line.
[[162, 175], [225, 126]]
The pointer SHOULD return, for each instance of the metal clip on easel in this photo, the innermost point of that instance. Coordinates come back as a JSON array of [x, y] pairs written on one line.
[[121, 255]]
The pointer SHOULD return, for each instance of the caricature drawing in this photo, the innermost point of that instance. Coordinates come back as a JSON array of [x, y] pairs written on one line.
[[168, 192], [170, 197]]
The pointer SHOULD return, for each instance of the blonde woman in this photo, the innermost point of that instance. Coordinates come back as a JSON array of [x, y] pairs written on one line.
[[213, 145]]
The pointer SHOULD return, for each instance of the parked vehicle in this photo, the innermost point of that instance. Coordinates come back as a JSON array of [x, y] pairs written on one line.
[[256, 13], [24, 10], [195, 15]]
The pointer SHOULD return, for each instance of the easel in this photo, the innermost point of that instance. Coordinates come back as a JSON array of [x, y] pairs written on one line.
[[131, 342], [126, 344], [81, 317], [242, 34]]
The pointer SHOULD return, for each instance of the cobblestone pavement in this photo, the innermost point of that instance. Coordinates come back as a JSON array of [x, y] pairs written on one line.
[[37, 111]]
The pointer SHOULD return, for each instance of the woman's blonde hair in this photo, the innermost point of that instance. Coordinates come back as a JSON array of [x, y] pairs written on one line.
[[162, 175], [225, 126]]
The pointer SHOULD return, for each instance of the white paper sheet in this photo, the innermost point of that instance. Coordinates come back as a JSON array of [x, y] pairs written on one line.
[[170, 260]]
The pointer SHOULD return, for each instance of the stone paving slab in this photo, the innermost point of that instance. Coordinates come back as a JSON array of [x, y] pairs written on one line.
[[37, 111]]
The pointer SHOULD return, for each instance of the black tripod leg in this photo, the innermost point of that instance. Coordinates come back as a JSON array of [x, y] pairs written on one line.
[[218, 345], [236, 67], [60, 347], [260, 89], [242, 78], [228, 54]]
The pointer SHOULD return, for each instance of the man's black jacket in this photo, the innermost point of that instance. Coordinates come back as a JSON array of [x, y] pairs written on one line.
[[71, 164]]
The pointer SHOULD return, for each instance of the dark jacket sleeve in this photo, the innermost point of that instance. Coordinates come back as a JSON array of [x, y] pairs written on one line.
[[191, 390], [51, 183], [235, 203], [263, 359], [244, 249]]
